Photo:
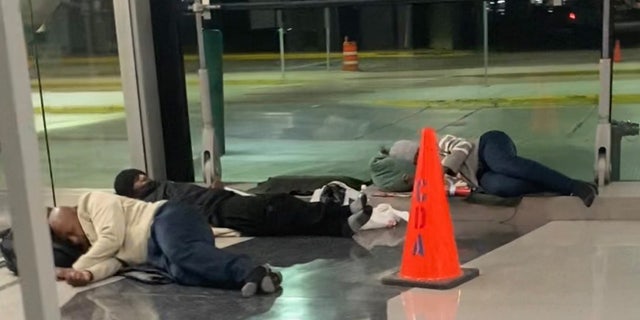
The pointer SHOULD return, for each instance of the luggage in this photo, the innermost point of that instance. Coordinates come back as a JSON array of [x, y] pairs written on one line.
[[64, 254]]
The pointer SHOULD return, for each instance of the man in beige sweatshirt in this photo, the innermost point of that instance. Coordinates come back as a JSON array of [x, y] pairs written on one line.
[[116, 231]]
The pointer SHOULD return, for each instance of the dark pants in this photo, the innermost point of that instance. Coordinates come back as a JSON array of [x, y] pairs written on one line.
[[283, 215], [182, 244], [504, 173]]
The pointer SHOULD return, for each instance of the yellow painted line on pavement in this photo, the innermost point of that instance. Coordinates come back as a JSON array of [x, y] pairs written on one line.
[[80, 109], [534, 103], [520, 102], [338, 55], [116, 85], [77, 120], [567, 73], [262, 56], [516, 102], [78, 87], [257, 82]]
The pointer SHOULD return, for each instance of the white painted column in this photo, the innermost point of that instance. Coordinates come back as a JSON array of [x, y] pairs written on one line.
[[21, 163]]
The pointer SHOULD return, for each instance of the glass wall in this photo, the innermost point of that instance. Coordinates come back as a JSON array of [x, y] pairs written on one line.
[[78, 101], [4, 206], [314, 118], [77, 97], [625, 87], [545, 76], [418, 65], [421, 65]]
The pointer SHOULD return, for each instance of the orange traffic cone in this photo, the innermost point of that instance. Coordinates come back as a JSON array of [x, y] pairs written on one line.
[[430, 256], [617, 52]]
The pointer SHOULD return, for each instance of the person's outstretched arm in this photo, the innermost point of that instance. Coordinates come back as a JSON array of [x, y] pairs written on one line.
[[456, 152]]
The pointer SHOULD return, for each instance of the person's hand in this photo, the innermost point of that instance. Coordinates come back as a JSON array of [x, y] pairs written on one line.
[[79, 278], [61, 273], [217, 184]]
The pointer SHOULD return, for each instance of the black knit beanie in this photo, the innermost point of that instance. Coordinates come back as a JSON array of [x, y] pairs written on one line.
[[124, 182]]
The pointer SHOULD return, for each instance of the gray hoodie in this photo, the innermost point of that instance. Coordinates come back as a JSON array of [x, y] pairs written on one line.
[[459, 156]]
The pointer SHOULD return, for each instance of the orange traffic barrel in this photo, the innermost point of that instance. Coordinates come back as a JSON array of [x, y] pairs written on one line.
[[349, 55]]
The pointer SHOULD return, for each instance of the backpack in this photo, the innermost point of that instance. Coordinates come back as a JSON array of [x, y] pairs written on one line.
[[6, 248], [64, 254], [392, 174], [335, 192]]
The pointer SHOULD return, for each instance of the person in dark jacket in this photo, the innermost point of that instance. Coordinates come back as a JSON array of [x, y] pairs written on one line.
[[261, 215]]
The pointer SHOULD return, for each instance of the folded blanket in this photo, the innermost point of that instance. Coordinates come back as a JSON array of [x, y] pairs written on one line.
[[146, 274], [225, 232], [301, 185]]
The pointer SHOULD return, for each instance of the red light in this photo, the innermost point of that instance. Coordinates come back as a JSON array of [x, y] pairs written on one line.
[[572, 16]]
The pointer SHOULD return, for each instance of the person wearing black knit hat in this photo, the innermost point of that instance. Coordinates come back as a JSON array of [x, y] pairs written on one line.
[[125, 180], [261, 215]]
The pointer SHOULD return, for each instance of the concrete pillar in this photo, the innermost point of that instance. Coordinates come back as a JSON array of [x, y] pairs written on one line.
[[307, 30], [404, 25], [378, 28], [444, 25]]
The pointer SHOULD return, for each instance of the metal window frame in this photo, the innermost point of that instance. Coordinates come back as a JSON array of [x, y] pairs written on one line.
[[21, 164], [139, 86], [602, 148]]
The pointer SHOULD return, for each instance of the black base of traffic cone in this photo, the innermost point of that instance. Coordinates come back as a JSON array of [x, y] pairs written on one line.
[[467, 274]]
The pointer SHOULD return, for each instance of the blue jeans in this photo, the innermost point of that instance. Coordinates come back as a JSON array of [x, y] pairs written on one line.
[[504, 173], [182, 244]]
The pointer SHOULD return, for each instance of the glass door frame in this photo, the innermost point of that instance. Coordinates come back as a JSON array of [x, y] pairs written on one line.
[[19, 140], [21, 164], [140, 86]]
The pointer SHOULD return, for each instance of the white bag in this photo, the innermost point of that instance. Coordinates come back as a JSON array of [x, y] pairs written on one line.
[[383, 215], [350, 194]]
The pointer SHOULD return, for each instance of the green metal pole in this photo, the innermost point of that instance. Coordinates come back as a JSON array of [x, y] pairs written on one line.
[[213, 57]]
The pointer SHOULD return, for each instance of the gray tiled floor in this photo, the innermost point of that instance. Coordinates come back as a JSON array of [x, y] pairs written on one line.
[[336, 278], [325, 278]]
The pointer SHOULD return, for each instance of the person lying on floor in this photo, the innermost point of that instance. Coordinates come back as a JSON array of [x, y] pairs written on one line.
[[491, 164], [115, 231], [261, 215]]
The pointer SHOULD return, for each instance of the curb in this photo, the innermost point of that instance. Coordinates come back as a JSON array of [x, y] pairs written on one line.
[[116, 85], [553, 73], [518, 102], [80, 109], [291, 56]]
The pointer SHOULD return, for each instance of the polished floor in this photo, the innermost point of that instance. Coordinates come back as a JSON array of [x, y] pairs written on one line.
[[532, 267], [564, 270], [328, 122], [325, 278]]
